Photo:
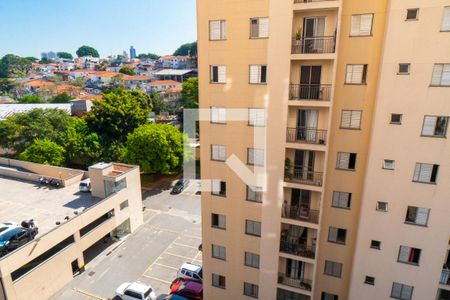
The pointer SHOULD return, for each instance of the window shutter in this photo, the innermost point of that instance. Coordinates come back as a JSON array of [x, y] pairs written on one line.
[[214, 114], [396, 290], [222, 152], [425, 172], [343, 160], [223, 25], [406, 292], [343, 199], [332, 234], [346, 118], [404, 253], [254, 73], [222, 74], [357, 74], [214, 30], [254, 28], [348, 74], [422, 216], [356, 23], [263, 27], [429, 125], [336, 198], [355, 119], [251, 156], [365, 27], [215, 186], [437, 74], [260, 117], [446, 19], [214, 153], [445, 80], [222, 115]]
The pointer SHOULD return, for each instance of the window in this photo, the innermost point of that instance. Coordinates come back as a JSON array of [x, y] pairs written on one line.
[[97, 222], [333, 268], [218, 152], [259, 28], [133, 294], [425, 173], [341, 199], [435, 126], [369, 280], [401, 291], [396, 119], [337, 235], [417, 215], [409, 255], [218, 115], [218, 221], [441, 75], [351, 119], [254, 193], [375, 244], [219, 188], [218, 281], [382, 206], [256, 117], [217, 30], [112, 187], [218, 74], [361, 25], [253, 228], [124, 205], [412, 14], [389, 164], [346, 161], [445, 26], [356, 74], [255, 157], [252, 260], [250, 290], [258, 74], [403, 69], [218, 252], [328, 296]]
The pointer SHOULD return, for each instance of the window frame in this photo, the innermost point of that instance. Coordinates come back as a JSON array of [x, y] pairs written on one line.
[[350, 154], [219, 193], [219, 149], [417, 10], [258, 194], [441, 75], [351, 120], [396, 123], [385, 166], [211, 75], [416, 213], [219, 278], [444, 136], [255, 163], [337, 233], [373, 246], [334, 264], [252, 260], [256, 113], [219, 248], [220, 110], [219, 226], [250, 29], [434, 173], [339, 193], [399, 72], [363, 76], [260, 74], [370, 280], [252, 288], [411, 254], [377, 208], [252, 223], [359, 29], [223, 30], [444, 15], [401, 291]]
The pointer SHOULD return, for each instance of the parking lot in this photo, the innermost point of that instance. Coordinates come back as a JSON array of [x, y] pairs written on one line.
[[170, 236]]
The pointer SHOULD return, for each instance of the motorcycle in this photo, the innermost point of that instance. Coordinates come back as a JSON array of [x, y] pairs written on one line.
[[31, 225]]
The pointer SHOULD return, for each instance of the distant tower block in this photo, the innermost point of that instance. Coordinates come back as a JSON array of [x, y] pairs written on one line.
[[132, 53]]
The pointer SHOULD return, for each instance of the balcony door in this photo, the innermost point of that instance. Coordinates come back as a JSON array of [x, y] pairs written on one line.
[[313, 32], [295, 269], [310, 82], [304, 164], [301, 203], [307, 124]]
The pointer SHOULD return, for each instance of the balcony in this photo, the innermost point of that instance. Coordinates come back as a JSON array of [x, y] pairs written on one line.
[[302, 175], [297, 248], [445, 277], [306, 135], [301, 283], [313, 92], [295, 212], [314, 45]]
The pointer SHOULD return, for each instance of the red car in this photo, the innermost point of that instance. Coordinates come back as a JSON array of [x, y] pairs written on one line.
[[191, 289]]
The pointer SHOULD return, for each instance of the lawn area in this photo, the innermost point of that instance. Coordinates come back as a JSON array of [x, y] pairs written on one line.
[[157, 181]]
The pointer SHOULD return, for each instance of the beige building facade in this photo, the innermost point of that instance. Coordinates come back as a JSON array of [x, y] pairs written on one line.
[[341, 90]]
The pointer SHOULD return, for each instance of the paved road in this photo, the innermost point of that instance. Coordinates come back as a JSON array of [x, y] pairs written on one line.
[[170, 236]]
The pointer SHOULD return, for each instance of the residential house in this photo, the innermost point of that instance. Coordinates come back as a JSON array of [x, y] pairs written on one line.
[[163, 85], [177, 75]]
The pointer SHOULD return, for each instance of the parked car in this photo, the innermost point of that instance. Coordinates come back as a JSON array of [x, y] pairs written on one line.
[[13, 238], [180, 186], [190, 270], [188, 288], [134, 291], [175, 297], [7, 225], [85, 185]]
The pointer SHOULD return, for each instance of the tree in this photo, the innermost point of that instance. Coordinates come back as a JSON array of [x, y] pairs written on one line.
[[159, 105], [79, 81], [127, 71], [120, 58], [119, 113], [31, 99], [44, 152], [64, 55], [87, 51], [187, 49], [61, 98], [189, 94], [45, 61], [148, 56], [14, 66], [32, 59], [7, 85], [156, 148]]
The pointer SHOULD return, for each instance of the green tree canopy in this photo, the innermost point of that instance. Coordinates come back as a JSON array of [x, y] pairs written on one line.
[[32, 59], [187, 49], [61, 98], [148, 56], [45, 61], [44, 152], [14, 66], [31, 99], [7, 85], [126, 71], [65, 55], [156, 148], [189, 94], [87, 51], [119, 113]]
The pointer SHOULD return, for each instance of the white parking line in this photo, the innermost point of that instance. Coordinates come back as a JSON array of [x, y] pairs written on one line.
[[183, 245], [165, 266], [190, 258], [151, 277]]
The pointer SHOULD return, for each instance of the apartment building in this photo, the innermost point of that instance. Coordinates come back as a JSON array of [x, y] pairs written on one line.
[[342, 90]]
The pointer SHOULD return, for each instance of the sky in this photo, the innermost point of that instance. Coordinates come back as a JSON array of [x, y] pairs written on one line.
[[30, 27]]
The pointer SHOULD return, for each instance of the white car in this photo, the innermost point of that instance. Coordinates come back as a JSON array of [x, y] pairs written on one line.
[[190, 270], [85, 185], [135, 291]]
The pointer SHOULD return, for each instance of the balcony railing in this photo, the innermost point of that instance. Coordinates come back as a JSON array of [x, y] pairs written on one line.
[[296, 212], [314, 45], [306, 135], [316, 92], [300, 283], [297, 248], [301, 174], [445, 277]]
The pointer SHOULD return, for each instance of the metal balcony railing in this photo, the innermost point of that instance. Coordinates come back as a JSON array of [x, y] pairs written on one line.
[[300, 174], [317, 92], [306, 135], [445, 277], [301, 283], [296, 212], [297, 248], [314, 45]]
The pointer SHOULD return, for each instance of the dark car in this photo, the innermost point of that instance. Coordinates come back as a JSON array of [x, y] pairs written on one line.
[[175, 297], [180, 186], [191, 289], [12, 239]]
